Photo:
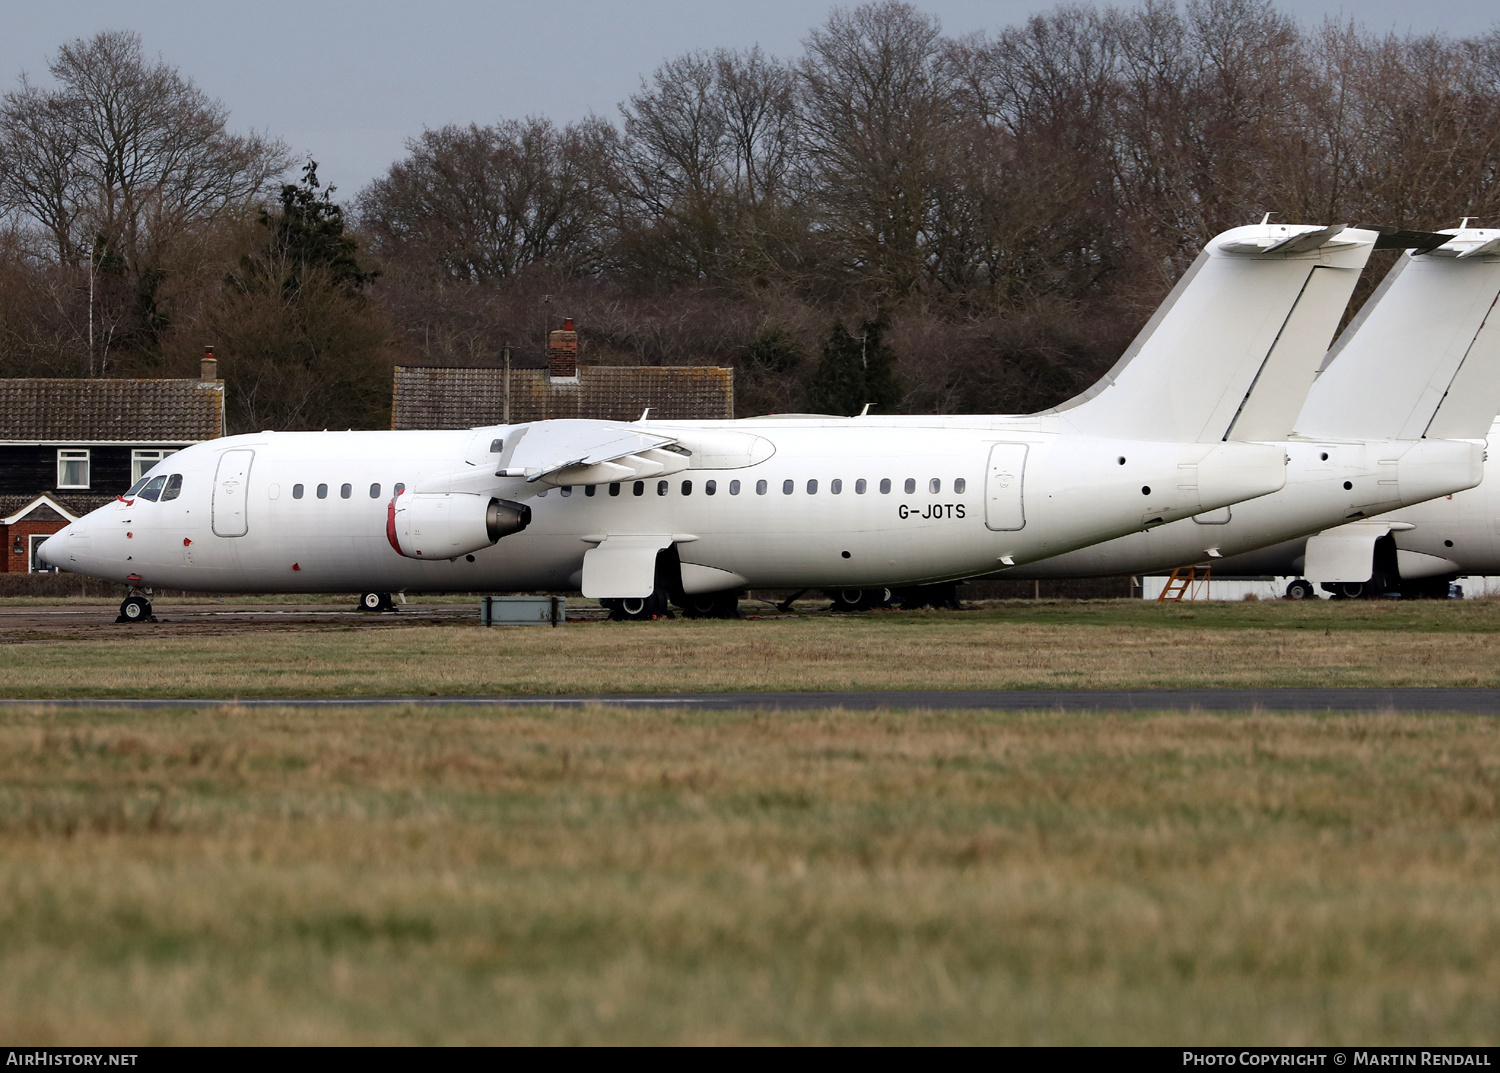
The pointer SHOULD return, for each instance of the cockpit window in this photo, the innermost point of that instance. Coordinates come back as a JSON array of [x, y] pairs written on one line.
[[135, 489], [173, 488], [153, 488]]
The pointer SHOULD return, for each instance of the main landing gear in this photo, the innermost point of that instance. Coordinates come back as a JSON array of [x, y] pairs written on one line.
[[638, 608], [376, 601], [136, 608]]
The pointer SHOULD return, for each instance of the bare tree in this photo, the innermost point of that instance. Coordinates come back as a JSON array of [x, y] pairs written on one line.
[[478, 204]]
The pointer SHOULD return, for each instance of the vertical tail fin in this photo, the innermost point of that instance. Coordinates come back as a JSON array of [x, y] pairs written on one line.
[[1423, 356], [1233, 348]]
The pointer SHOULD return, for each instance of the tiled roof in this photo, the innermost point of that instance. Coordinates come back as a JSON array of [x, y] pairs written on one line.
[[111, 411], [77, 504], [465, 398]]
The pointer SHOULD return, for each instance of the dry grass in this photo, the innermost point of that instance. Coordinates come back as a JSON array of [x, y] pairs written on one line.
[[602, 875], [1060, 646]]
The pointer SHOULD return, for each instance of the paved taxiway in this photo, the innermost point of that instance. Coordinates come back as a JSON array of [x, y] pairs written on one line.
[[1411, 701]]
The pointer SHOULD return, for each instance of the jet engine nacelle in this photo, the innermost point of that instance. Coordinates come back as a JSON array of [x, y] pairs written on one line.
[[447, 525]]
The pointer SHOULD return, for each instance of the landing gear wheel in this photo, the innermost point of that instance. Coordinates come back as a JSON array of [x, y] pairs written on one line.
[[1301, 589], [1350, 590], [711, 605], [637, 608], [376, 601], [859, 599], [135, 609]]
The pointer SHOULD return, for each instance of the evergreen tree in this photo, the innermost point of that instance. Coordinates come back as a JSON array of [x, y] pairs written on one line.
[[854, 371], [306, 234]]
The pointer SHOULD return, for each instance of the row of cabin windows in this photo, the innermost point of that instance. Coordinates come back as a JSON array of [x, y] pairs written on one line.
[[788, 486], [346, 491]]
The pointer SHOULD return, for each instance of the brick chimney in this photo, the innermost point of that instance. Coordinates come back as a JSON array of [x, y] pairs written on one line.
[[562, 347], [210, 368]]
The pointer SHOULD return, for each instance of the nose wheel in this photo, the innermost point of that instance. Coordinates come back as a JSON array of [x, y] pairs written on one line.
[[376, 601], [136, 609]]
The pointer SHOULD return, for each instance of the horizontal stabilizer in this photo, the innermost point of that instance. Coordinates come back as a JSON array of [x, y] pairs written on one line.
[[1396, 238]]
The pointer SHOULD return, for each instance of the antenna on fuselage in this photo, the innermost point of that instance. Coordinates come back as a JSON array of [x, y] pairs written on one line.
[[866, 411], [645, 414]]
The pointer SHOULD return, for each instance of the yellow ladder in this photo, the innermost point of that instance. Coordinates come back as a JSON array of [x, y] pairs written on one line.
[[1181, 585]]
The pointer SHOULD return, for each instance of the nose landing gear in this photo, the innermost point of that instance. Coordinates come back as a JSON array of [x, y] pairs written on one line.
[[136, 608], [376, 601]]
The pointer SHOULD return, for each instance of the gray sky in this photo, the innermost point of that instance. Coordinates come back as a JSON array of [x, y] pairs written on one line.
[[349, 82]]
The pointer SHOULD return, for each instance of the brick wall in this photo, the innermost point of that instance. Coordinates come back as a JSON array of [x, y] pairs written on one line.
[[19, 563]]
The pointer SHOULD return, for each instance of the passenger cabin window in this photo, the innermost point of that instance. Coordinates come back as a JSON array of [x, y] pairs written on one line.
[[935, 486], [567, 490], [72, 468], [589, 489], [345, 491], [153, 488], [835, 486], [812, 488], [496, 446], [322, 491], [661, 488], [640, 488], [734, 488], [885, 486], [911, 485], [787, 486], [959, 484], [710, 487], [296, 491], [760, 488], [374, 491], [860, 486], [400, 488], [687, 488], [614, 489], [173, 488]]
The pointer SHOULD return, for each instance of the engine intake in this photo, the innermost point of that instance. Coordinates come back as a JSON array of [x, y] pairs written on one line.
[[447, 525]]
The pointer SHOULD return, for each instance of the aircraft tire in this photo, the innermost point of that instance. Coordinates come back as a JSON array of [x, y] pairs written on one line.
[[376, 601], [1300, 589], [135, 609], [724, 604], [859, 599], [638, 608]]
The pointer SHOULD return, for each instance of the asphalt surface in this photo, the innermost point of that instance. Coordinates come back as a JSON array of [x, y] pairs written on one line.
[[1405, 701]]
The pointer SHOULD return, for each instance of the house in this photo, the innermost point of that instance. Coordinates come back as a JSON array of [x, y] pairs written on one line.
[[427, 397], [69, 446]]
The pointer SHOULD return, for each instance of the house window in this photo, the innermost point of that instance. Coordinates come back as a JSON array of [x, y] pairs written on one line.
[[72, 468], [142, 461]]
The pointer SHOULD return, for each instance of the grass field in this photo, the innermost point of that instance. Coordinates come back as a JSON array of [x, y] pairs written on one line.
[[1108, 644], [419, 875], [425, 876]]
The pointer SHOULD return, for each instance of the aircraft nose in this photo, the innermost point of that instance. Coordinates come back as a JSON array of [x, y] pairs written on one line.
[[51, 552]]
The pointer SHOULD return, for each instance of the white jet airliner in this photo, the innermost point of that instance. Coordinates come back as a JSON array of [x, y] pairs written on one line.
[[1397, 415], [635, 513]]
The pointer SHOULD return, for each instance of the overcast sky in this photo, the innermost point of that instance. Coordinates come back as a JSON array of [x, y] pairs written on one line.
[[348, 82]]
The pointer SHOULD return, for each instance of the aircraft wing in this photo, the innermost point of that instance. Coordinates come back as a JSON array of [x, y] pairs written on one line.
[[572, 452]]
